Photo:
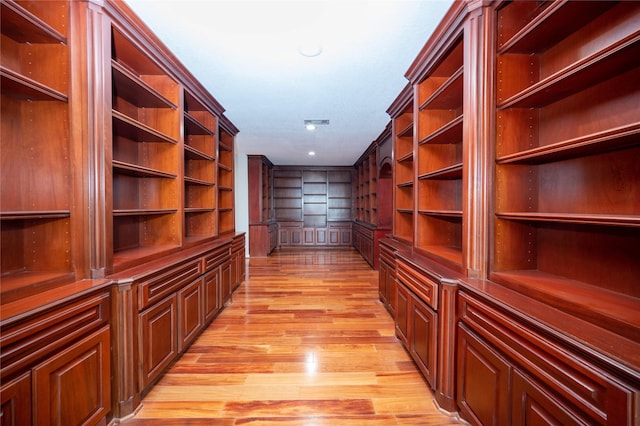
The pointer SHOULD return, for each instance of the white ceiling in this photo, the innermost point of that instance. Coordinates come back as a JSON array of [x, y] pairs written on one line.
[[246, 53]]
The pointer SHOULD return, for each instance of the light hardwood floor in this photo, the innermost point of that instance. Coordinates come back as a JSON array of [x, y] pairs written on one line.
[[305, 341]]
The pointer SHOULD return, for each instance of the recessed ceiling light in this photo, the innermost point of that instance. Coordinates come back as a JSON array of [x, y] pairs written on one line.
[[312, 153], [310, 50]]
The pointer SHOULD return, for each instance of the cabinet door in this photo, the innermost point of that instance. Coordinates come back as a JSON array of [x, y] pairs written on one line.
[[284, 236], [483, 381], [190, 314], [345, 237], [423, 339], [321, 236], [225, 281], [309, 236], [74, 386], [334, 237], [392, 293], [15, 401], [158, 340], [402, 313], [295, 237], [383, 283], [533, 405], [211, 294], [273, 238]]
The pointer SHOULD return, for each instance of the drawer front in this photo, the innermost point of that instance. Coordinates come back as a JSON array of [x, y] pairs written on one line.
[[32, 339], [237, 244], [215, 258], [167, 281], [593, 390], [387, 255], [423, 287]]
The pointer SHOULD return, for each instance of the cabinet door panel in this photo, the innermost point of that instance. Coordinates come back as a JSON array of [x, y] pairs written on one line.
[[533, 406], [74, 387], [402, 313], [158, 344], [483, 381], [225, 281], [334, 237], [308, 236], [15, 401], [296, 237], [211, 294], [190, 315], [321, 236], [383, 283], [285, 237], [423, 339]]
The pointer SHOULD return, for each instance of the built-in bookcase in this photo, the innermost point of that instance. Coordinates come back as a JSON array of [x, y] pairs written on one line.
[[314, 198], [372, 204], [287, 195], [36, 200], [200, 147], [146, 189], [439, 163], [226, 219], [567, 159], [403, 173], [339, 195]]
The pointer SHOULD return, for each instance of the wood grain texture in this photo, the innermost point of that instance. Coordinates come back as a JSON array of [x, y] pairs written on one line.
[[305, 341]]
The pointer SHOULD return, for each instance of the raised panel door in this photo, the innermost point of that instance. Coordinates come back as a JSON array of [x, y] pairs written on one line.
[[321, 236], [211, 294], [334, 237], [423, 339], [532, 405], [483, 381], [308, 236], [74, 386], [158, 344], [225, 281], [15, 401], [402, 313], [383, 284], [190, 314]]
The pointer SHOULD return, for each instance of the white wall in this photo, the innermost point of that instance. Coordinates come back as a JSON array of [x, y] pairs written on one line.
[[241, 189]]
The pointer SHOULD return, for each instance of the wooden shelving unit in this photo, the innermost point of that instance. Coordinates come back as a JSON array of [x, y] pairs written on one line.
[[314, 199], [37, 215], [116, 210], [566, 202], [146, 187], [339, 196], [372, 188], [439, 160], [402, 117], [263, 229], [513, 262], [313, 205], [199, 156], [287, 187], [226, 218]]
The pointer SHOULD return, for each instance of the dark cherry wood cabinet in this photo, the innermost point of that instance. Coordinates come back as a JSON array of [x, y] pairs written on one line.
[[56, 357], [263, 229], [118, 240], [515, 183], [373, 202], [387, 288], [313, 205]]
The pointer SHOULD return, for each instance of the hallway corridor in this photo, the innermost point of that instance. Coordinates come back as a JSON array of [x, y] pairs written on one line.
[[304, 342]]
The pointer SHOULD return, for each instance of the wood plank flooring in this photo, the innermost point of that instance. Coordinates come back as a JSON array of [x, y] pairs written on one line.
[[304, 342]]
